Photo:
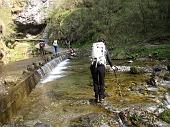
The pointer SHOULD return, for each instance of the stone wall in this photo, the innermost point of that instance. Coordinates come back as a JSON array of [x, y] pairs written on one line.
[[11, 103]]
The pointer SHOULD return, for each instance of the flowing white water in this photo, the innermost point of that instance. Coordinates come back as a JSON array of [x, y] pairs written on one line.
[[56, 73]]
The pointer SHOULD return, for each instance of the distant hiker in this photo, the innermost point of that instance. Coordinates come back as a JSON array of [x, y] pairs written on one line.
[[1, 54], [72, 52], [41, 46], [99, 57], [55, 45], [1, 61]]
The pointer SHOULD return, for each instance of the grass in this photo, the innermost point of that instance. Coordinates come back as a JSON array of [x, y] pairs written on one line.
[[165, 116]]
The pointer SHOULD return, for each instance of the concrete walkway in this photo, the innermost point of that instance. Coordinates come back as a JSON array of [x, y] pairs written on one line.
[[13, 71]]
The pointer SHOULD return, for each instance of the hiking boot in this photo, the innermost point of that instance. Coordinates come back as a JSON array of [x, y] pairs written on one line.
[[97, 101], [97, 98], [102, 100]]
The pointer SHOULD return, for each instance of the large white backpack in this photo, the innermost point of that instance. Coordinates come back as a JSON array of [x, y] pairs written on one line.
[[99, 53]]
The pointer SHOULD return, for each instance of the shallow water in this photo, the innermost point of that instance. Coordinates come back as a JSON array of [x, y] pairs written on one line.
[[61, 97]]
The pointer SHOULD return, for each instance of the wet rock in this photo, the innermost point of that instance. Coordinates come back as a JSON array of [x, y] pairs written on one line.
[[153, 81], [41, 63], [155, 109], [52, 57], [25, 73], [81, 102], [84, 121], [147, 69], [2, 89], [30, 68], [36, 65], [123, 68], [41, 125], [166, 100], [119, 68], [136, 70], [141, 89], [49, 58], [124, 117], [152, 90], [138, 117], [14, 125], [92, 120], [168, 67], [165, 84], [9, 83], [130, 61], [159, 68]]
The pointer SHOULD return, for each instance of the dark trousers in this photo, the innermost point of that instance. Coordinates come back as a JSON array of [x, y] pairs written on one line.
[[42, 52], [98, 75], [55, 49]]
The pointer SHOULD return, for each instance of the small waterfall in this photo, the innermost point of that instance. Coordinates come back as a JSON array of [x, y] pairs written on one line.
[[52, 70], [48, 67]]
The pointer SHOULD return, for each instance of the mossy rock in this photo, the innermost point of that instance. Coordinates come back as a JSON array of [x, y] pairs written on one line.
[[136, 70], [165, 116]]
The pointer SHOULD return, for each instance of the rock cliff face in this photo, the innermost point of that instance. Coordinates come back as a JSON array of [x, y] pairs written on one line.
[[35, 12], [32, 18], [6, 3]]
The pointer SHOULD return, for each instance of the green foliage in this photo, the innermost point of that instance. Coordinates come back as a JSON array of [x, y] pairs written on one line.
[[157, 52], [165, 116], [122, 23]]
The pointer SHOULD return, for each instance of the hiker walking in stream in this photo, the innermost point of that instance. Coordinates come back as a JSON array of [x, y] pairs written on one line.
[[99, 57]]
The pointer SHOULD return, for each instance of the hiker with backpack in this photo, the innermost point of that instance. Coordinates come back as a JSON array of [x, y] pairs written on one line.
[[99, 57], [55, 45]]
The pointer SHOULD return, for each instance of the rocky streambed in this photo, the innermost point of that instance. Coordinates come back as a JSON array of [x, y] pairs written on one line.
[[133, 100]]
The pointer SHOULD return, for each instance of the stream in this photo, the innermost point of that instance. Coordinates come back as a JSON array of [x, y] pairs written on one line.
[[65, 98]]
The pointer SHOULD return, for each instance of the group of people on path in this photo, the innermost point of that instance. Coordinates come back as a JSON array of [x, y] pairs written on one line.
[[42, 45], [55, 45]]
